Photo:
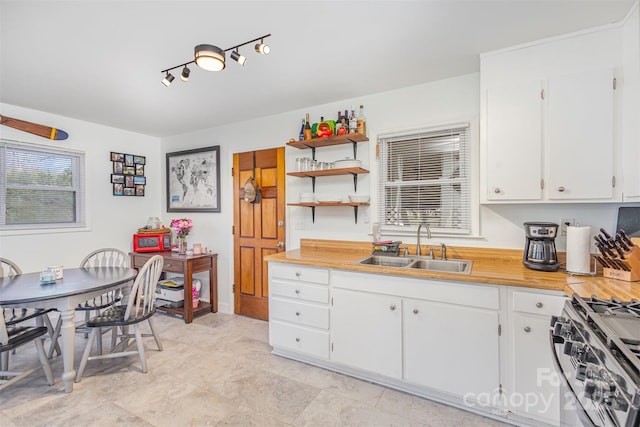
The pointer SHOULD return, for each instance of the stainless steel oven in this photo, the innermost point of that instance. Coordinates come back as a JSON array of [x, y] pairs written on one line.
[[596, 346]]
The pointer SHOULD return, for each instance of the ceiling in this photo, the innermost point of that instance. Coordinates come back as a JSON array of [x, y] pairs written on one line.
[[100, 61]]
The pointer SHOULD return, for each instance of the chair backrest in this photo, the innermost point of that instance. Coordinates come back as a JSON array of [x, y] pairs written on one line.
[[143, 292], [9, 268], [106, 257]]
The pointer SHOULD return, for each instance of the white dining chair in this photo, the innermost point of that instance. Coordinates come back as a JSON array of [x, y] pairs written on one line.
[[104, 257], [140, 307], [14, 336], [12, 316]]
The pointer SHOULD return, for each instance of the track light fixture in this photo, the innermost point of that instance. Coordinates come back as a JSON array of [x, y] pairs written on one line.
[[235, 55], [262, 48], [185, 74], [168, 78], [212, 58]]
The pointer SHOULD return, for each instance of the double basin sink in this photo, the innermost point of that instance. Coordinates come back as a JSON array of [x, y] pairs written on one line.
[[420, 263]]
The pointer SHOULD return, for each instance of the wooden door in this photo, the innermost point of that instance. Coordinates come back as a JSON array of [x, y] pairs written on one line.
[[259, 228]]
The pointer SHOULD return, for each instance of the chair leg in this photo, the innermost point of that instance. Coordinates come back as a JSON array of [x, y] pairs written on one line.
[[44, 361], [99, 341], [85, 354], [54, 338], [4, 361], [140, 346], [155, 335], [53, 335]]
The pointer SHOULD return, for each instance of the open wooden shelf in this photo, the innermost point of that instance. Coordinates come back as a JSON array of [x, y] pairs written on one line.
[[328, 141], [329, 172]]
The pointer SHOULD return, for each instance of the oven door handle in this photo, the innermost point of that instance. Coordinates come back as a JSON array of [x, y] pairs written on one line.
[[582, 414]]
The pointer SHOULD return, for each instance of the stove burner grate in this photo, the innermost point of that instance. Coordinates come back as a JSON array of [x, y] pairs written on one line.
[[614, 306]]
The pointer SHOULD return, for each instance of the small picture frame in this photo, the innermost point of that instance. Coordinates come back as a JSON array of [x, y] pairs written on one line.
[[128, 181], [139, 180], [117, 167], [128, 159], [139, 170], [139, 190], [139, 160], [117, 179], [118, 189], [129, 170], [117, 157]]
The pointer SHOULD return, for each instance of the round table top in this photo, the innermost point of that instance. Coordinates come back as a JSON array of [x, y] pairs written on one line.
[[25, 288]]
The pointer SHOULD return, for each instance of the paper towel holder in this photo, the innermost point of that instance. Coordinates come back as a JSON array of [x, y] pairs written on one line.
[[590, 273]]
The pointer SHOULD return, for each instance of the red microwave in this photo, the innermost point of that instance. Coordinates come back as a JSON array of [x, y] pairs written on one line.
[[151, 242]]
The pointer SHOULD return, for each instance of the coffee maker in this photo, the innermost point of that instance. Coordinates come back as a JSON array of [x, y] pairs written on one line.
[[540, 247]]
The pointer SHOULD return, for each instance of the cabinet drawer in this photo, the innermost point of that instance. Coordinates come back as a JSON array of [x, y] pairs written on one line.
[[299, 273], [531, 302], [299, 338], [299, 313], [300, 291], [174, 266]]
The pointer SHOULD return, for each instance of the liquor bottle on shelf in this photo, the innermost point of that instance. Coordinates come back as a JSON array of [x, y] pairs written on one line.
[[361, 122], [301, 136], [339, 124], [307, 128], [352, 121]]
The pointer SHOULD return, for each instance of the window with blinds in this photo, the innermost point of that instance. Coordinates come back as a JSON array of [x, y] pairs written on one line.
[[425, 177], [40, 187]]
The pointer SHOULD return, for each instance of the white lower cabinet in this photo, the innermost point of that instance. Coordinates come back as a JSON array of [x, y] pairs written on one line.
[[451, 348], [534, 388], [298, 309], [480, 347]]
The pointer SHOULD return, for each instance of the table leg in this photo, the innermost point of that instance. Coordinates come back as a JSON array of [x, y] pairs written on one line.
[[68, 334]]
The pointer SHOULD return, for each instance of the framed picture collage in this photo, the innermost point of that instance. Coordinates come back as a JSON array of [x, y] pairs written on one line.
[[128, 177]]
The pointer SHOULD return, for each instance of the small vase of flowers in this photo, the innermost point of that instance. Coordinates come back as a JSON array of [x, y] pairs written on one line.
[[182, 227]]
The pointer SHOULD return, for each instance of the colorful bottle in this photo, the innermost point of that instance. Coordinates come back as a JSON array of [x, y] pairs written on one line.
[[352, 121], [361, 122], [307, 128], [301, 136]]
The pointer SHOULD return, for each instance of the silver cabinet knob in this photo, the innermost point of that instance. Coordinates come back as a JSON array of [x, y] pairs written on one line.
[[392, 307], [415, 311], [496, 190], [527, 329], [561, 189], [539, 304], [297, 291], [298, 274], [297, 339], [297, 313]]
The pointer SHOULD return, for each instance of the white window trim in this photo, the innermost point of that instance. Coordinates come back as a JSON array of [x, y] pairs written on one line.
[[474, 140], [79, 179]]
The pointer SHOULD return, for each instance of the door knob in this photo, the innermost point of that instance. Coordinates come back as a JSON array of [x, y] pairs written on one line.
[[280, 245]]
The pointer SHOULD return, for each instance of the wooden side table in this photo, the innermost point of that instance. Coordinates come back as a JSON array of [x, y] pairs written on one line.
[[186, 265]]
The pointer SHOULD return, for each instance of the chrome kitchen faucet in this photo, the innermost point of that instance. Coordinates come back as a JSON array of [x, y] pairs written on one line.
[[418, 250]]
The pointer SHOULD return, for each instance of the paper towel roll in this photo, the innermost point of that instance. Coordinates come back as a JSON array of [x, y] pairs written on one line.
[[578, 249]]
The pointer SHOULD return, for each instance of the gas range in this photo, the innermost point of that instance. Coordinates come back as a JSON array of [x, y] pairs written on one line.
[[596, 345]]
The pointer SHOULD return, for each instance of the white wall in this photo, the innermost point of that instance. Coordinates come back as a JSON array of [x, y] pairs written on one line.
[[446, 101], [111, 219]]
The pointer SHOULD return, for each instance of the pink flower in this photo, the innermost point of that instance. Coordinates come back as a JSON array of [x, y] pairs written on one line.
[[181, 226]]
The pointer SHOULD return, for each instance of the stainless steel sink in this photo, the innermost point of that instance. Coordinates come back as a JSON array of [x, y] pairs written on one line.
[[450, 265], [386, 261]]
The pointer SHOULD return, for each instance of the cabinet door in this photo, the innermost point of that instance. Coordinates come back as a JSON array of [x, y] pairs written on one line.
[[535, 381], [451, 348], [580, 136], [514, 141], [366, 331]]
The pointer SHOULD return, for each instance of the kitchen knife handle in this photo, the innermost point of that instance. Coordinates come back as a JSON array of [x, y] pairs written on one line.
[[604, 233], [626, 238]]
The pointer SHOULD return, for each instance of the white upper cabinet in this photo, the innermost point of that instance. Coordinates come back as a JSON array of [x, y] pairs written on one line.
[[514, 129], [548, 121], [580, 136]]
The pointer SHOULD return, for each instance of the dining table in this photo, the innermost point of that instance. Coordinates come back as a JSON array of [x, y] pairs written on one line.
[[76, 286]]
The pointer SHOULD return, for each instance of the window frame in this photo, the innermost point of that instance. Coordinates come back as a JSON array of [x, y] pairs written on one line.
[[78, 185], [471, 152]]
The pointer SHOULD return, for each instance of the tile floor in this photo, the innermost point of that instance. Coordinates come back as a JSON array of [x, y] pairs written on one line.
[[217, 371]]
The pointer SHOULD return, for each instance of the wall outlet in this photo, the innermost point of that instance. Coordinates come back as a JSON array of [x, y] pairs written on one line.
[[564, 223]]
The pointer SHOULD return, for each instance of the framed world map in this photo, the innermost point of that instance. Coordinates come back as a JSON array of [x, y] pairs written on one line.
[[193, 180]]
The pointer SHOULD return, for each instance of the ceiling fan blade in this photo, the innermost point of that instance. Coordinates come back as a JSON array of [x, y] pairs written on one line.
[[34, 128]]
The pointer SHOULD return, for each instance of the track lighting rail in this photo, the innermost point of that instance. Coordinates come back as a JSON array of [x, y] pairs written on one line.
[[212, 58]]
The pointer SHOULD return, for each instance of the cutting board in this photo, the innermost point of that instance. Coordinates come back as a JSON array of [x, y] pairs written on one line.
[[629, 220]]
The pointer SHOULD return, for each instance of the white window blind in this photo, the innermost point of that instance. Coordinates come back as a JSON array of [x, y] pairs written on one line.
[[425, 176], [40, 187]]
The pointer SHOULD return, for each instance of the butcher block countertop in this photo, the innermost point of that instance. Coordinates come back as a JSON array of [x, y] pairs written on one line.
[[490, 266]]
